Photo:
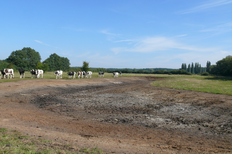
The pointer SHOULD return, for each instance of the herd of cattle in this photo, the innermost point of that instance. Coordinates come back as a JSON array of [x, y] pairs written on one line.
[[9, 73]]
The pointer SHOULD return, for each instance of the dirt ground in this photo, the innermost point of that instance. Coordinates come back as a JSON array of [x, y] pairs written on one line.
[[118, 115]]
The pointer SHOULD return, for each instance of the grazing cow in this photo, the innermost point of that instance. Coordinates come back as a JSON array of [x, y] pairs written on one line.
[[88, 74], [39, 73], [2, 73], [80, 74], [58, 73], [9, 72], [33, 72], [115, 74], [71, 74], [22, 73], [120, 73], [84, 73], [101, 74]]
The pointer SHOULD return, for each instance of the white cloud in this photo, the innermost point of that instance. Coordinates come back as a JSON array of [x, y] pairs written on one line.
[[208, 30], [108, 33], [175, 60], [225, 52], [207, 5], [153, 44], [41, 42], [202, 58], [219, 29], [149, 44]]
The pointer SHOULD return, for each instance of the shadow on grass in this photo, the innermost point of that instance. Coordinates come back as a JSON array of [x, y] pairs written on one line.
[[221, 78]]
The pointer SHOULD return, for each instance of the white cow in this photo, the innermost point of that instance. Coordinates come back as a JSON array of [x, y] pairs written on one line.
[[115, 74], [39, 73], [120, 73], [58, 73], [88, 74], [80, 74], [8, 72], [71, 74], [22, 73], [33, 72], [101, 74]]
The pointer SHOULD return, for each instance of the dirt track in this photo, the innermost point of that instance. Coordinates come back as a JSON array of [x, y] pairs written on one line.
[[123, 115]]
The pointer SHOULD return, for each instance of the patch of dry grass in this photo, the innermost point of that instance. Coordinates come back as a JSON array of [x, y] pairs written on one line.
[[13, 142]]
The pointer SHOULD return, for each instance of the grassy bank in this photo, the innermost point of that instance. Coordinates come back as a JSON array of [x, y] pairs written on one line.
[[209, 84], [13, 142]]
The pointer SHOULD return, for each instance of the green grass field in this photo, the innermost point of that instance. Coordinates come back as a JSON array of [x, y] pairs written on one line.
[[209, 84]]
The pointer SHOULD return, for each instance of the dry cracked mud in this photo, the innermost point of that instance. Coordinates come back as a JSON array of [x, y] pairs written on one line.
[[118, 115]]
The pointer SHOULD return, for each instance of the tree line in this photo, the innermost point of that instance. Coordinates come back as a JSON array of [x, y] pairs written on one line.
[[142, 71], [194, 68], [223, 67], [28, 59]]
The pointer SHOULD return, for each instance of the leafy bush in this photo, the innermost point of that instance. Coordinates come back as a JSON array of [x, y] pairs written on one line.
[[223, 67], [205, 74]]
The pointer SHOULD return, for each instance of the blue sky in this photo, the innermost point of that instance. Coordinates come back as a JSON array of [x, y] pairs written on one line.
[[119, 33]]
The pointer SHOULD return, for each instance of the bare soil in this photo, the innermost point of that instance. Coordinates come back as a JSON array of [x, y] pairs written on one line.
[[118, 115]]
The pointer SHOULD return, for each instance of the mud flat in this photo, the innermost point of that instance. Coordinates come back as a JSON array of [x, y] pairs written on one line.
[[123, 115]]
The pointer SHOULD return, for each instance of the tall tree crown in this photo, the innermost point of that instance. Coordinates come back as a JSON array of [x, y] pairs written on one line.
[[85, 66], [26, 58], [56, 62]]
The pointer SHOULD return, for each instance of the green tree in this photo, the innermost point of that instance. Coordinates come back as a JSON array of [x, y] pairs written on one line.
[[203, 69], [11, 65], [222, 67], [85, 66], [26, 58], [197, 68], [56, 62], [192, 68], [39, 65], [214, 70], [183, 66], [45, 67], [42, 66], [134, 70], [3, 64], [208, 64], [189, 68]]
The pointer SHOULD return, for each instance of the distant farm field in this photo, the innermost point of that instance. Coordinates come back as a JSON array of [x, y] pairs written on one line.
[[209, 84]]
